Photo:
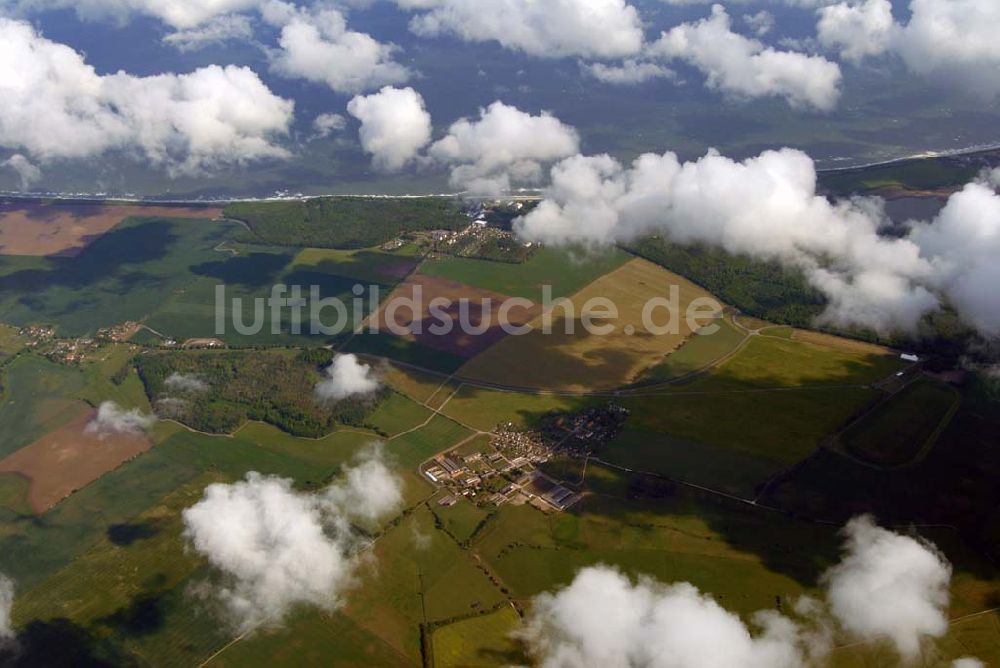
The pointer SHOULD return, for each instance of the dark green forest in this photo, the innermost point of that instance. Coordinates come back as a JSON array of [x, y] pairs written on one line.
[[342, 222], [270, 386], [764, 290]]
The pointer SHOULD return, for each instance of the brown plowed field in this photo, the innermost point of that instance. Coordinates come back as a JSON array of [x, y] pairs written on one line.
[[479, 311], [69, 459]]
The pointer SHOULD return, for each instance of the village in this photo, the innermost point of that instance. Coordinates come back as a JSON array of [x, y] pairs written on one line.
[[488, 236], [42, 338], [510, 468]]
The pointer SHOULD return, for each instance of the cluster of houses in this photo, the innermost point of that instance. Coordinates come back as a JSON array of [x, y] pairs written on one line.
[[588, 429], [499, 474], [507, 471]]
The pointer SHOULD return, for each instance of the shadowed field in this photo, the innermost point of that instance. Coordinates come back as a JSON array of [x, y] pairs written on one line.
[[66, 229]]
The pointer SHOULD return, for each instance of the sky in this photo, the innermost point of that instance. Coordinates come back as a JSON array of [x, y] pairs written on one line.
[[237, 98]]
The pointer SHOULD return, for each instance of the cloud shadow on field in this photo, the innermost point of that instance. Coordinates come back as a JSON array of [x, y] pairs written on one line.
[[143, 616], [58, 643], [126, 534], [132, 245], [252, 270]]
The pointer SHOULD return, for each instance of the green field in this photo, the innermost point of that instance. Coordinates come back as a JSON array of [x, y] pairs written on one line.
[[726, 469], [477, 641], [899, 429], [124, 275], [698, 353], [565, 271], [417, 385], [397, 414], [437, 436], [460, 521], [192, 311], [485, 409], [38, 396], [367, 266], [781, 427], [675, 537], [422, 577], [313, 638], [773, 362], [10, 341], [165, 272], [14, 494]]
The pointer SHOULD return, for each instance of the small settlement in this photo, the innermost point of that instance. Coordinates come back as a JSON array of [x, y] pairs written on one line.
[[509, 468]]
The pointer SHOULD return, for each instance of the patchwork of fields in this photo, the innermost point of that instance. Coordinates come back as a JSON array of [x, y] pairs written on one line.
[[724, 475]]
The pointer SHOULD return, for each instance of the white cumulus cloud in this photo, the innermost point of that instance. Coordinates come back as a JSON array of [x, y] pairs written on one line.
[[604, 619], [768, 207], [347, 377], [220, 29], [746, 68], [857, 30], [628, 72], [504, 145], [950, 41], [182, 14], [889, 586], [886, 587], [277, 547], [317, 45], [27, 171], [765, 206], [395, 126], [549, 29], [56, 106], [113, 419], [325, 125], [964, 242]]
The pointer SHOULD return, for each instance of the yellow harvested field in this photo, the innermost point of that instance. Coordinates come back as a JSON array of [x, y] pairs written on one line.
[[840, 343], [584, 360]]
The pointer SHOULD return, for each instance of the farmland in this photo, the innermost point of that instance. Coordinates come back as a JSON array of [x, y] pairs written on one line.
[[739, 453], [566, 272], [902, 427], [473, 313], [69, 459], [65, 230], [37, 397], [123, 275], [581, 360]]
